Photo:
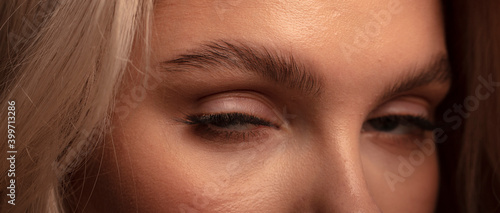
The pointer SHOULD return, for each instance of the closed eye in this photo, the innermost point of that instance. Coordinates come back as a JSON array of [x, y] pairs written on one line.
[[228, 127], [398, 124]]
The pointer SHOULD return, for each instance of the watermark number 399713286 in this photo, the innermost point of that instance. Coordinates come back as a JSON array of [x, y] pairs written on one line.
[[11, 151]]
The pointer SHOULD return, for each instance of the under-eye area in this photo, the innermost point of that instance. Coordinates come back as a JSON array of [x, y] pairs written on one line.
[[265, 106]]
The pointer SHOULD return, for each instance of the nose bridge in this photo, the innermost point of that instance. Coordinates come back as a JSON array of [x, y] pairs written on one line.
[[342, 185]]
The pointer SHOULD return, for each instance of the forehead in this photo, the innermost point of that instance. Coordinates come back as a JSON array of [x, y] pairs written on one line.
[[382, 36]]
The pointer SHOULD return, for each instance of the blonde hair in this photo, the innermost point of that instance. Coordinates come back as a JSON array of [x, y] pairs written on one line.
[[61, 62]]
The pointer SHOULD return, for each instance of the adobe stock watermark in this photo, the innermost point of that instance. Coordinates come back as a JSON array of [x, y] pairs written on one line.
[[222, 179], [131, 99], [224, 6], [370, 30], [31, 26], [213, 189], [128, 101], [408, 165], [471, 103]]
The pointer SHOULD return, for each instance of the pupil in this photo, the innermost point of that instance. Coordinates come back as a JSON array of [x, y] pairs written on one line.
[[385, 124]]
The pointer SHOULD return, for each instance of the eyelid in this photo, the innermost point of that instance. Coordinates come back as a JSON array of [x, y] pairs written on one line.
[[241, 118], [246, 102], [206, 126], [405, 105], [402, 106]]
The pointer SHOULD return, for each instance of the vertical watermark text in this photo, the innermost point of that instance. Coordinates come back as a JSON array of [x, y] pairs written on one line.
[[11, 151]]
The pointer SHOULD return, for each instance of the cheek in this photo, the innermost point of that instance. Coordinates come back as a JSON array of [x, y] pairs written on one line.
[[157, 172], [153, 165], [399, 182]]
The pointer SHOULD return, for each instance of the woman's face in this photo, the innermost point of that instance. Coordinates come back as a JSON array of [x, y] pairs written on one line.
[[279, 106]]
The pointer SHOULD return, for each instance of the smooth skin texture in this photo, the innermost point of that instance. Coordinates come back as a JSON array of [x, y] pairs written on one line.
[[319, 154]]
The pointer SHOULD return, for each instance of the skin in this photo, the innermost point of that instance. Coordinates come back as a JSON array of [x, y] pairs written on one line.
[[320, 159]]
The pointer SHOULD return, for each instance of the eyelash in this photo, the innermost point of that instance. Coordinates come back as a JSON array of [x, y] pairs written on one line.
[[418, 126], [418, 121], [216, 127]]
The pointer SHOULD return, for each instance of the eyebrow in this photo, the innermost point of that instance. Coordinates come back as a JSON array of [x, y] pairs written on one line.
[[285, 70], [437, 70], [280, 68]]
